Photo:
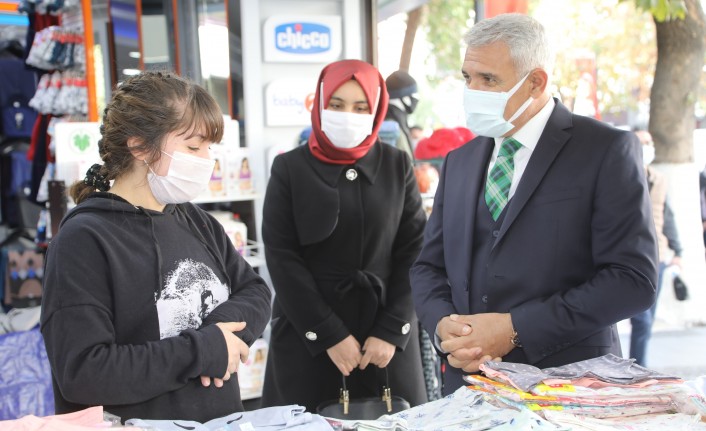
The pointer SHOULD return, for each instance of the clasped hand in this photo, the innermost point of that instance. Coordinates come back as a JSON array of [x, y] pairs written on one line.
[[473, 339], [238, 352], [347, 354]]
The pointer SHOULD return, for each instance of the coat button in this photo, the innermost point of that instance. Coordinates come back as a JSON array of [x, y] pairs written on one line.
[[351, 174], [484, 299], [496, 233], [311, 336], [405, 328]]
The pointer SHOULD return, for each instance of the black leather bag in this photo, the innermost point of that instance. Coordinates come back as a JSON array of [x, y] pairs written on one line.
[[680, 290], [369, 408]]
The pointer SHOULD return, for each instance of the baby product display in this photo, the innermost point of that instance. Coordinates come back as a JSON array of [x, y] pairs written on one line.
[[232, 176], [236, 230]]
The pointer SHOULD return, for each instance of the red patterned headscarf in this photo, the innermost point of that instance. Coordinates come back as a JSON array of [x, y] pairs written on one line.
[[333, 76]]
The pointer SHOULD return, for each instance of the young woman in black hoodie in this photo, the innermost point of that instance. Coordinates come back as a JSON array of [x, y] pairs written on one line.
[[148, 309]]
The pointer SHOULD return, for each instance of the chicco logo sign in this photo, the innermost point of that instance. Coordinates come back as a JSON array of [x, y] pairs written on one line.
[[302, 38]]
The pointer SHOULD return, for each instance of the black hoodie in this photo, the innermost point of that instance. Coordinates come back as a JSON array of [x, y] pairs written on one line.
[[130, 301]]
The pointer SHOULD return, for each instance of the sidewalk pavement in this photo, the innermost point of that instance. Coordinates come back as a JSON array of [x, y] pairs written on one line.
[[673, 350]]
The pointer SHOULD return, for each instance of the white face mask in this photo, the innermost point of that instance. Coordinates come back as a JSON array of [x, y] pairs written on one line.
[[187, 177], [346, 129], [485, 110], [648, 154]]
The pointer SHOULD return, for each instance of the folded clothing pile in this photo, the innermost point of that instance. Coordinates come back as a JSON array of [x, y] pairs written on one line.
[[604, 387]]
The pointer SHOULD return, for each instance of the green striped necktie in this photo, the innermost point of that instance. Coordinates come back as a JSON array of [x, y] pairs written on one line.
[[497, 187]]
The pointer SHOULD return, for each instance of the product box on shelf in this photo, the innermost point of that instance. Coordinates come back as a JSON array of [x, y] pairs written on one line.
[[240, 178], [231, 177], [251, 374], [236, 230], [217, 184]]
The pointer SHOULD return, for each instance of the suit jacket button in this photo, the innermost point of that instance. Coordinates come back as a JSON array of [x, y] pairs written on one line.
[[311, 336], [484, 299], [405, 328], [496, 233]]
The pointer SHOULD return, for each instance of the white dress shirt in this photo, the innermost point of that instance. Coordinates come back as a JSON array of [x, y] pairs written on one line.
[[528, 136]]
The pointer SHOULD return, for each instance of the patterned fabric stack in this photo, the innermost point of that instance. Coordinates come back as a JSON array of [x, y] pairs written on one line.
[[594, 394]]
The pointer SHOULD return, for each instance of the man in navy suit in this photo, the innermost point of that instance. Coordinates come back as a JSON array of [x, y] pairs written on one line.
[[536, 245]]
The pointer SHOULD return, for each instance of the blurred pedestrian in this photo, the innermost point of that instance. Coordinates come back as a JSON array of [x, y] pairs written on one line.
[[670, 248], [402, 89]]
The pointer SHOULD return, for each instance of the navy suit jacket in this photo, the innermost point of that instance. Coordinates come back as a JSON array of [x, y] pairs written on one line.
[[575, 254]]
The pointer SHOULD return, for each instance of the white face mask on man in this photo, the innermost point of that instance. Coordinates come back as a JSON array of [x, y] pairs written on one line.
[[648, 154], [187, 177], [485, 110], [346, 129]]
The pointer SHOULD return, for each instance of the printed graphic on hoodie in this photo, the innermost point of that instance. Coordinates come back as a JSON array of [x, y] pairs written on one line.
[[190, 293]]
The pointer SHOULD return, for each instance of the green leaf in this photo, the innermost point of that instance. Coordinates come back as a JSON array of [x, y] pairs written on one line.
[[663, 10]]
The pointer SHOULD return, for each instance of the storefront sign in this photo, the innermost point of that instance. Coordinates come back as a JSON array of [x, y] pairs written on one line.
[[76, 149], [288, 102], [299, 39]]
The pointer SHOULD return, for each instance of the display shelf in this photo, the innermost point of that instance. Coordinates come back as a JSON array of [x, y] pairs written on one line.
[[253, 256], [250, 394], [221, 199]]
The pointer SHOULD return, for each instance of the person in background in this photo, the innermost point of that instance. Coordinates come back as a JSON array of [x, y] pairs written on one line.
[[541, 235], [342, 224], [441, 141], [148, 309], [403, 101], [416, 134], [669, 247]]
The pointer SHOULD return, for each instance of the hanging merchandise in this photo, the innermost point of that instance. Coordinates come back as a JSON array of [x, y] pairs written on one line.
[[55, 48], [47, 89], [17, 118], [47, 7], [61, 93], [59, 50]]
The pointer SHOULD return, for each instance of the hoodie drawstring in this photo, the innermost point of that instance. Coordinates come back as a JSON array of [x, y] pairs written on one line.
[[160, 280]]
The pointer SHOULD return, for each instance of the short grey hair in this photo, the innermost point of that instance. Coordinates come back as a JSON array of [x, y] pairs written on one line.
[[525, 37]]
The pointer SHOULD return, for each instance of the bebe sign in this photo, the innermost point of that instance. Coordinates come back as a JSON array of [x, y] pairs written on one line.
[[288, 101], [302, 39]]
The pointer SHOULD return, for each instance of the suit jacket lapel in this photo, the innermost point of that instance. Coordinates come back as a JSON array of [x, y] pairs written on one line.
[[553, 139], [472, 181]]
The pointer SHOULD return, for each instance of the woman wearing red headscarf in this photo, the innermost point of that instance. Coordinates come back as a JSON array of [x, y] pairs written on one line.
[[342, 224]]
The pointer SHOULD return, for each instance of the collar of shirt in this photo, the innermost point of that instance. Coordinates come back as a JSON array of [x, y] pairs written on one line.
[[528, 136]]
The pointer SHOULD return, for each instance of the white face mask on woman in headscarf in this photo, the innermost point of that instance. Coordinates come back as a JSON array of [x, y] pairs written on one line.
[[187, 177], [485, 110], [346, 129]]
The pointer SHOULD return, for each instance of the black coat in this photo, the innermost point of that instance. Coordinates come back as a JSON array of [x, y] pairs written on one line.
[[339, 250]]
